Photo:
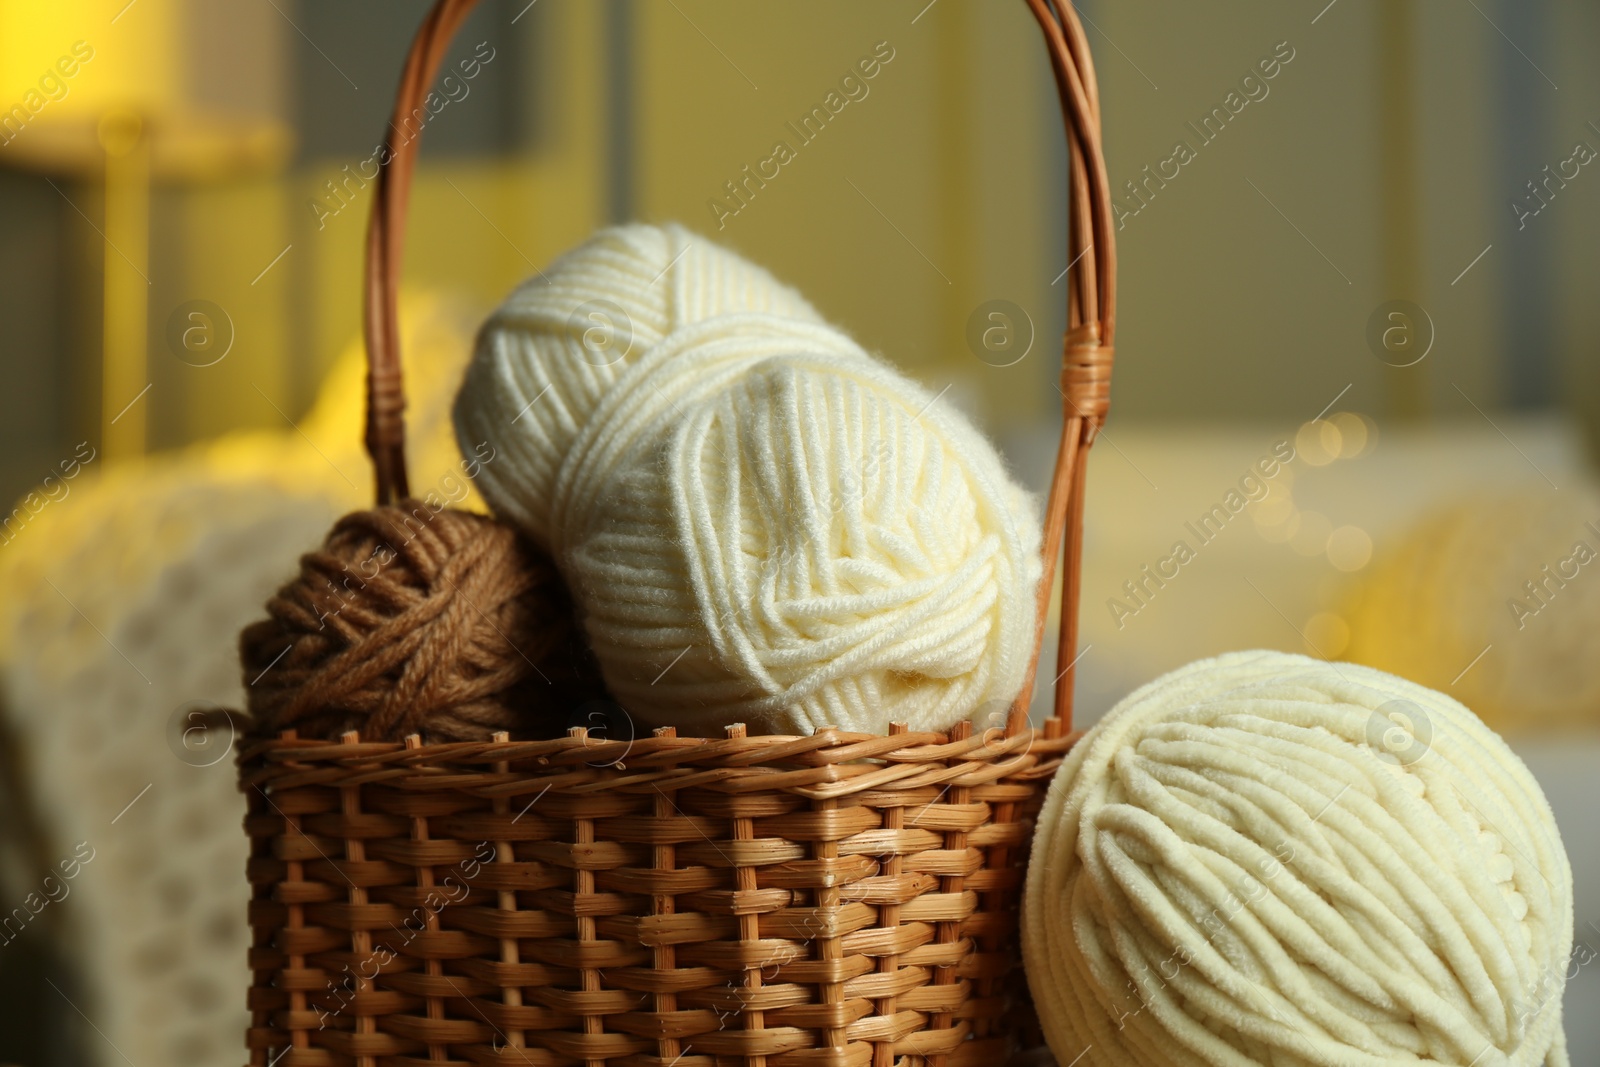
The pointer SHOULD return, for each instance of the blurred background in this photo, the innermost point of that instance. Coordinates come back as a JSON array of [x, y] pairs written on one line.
[[1356, 378]]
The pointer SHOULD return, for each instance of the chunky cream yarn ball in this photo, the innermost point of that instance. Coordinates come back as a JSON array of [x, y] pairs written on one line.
[[763, 524], [561, 340], [1263, 858]]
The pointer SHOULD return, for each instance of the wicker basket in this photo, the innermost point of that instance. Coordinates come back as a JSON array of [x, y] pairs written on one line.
[[837, 900]]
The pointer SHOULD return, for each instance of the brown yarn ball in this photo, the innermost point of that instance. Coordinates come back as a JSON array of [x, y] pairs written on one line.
[[410, 620]]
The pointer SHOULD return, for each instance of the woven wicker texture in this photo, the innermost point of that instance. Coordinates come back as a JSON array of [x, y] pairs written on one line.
[[840, 899], [837, 900]]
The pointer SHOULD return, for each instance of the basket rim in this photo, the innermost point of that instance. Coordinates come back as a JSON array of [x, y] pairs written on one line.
[[829, 764]]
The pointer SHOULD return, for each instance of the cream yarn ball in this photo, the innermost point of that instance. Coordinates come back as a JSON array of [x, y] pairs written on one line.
[[1263, 858], [760, 522], [803, 546], [558, 343]]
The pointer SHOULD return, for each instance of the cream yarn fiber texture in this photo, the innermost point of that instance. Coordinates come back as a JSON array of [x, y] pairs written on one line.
[[760, 522], [552, 350], [1268, 859]]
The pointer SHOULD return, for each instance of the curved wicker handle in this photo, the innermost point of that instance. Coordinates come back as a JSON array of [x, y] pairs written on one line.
[[1091, 305], [386, 240], [1089, 344]]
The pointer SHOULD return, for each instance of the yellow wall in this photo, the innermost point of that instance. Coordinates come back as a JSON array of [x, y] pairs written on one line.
[[915, 203], [1246, 282]]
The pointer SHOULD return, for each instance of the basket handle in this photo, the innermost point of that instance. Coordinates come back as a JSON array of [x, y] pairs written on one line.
[[1087, 350], [386, 240]]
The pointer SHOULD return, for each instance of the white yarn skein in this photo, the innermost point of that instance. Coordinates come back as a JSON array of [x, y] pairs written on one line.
[[779, 530], [759, 521], [547, 355], [1263, 858]]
